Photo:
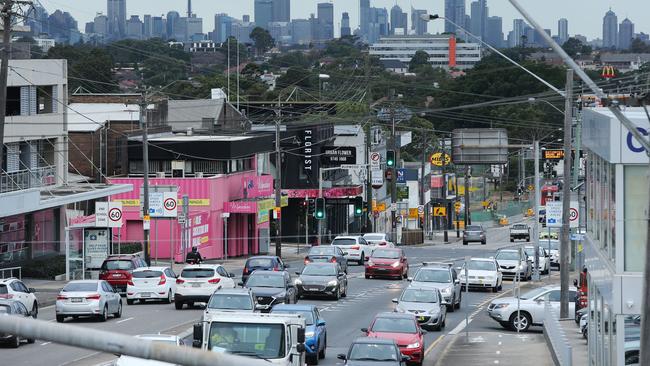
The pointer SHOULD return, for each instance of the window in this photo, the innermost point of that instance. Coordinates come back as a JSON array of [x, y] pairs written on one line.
[[45, 98], [222, 272], [635, 202], [13, 101]]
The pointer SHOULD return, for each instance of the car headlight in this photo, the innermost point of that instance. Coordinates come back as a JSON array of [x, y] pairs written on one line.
[[332, 283], [413, 345], [309, 334], [297, 282], [434, 311], [370, 263], [446, 291], [500, 306], [395, 265]]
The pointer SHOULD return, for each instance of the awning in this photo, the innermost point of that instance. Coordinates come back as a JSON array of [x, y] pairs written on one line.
[[334, 192], [261, 207]]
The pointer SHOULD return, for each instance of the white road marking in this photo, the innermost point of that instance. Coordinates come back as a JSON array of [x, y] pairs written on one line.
[[498, 352], [460, 327], [45, 343], [123, 320]]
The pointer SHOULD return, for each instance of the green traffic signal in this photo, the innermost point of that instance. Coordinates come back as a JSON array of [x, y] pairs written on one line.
[[390, 158], [319, 213]]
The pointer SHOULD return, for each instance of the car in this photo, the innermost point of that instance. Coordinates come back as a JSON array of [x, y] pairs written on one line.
[[387, 262], [231, 300], [271, 288], [378, 240], [322, 279], [474, 233], [151, 283], [426, 303], [481, 273], [365, 351], [116, 269], [15, 289], [544, 258], [356, 247], [519, 231], [403, 328], [579, 314], [549, 234], [263, 263], [315, 329], [442, 277], [171, 340], [513, 262], [327, 253], [197, 282], [14, 308], [95, 298], [531, 307], [552, 246]]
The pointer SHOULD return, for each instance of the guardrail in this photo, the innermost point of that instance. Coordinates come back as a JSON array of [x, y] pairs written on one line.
[[25, 179], [11, 271], [556, 338]]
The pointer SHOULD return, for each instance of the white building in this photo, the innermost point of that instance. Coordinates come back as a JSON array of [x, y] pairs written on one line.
[[443, 50]]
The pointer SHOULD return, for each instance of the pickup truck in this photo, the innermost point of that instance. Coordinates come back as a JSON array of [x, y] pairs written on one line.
[[519, 231]]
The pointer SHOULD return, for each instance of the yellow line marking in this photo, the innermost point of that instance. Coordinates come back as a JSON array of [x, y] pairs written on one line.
[[433, 345]]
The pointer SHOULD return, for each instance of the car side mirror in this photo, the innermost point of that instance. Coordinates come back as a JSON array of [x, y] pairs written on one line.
[[31, 290], [410, 279], [423, 331], [457, 281], [341, 356], [231, 275], [345, 253], [395, 301], [575, 283], [301, 335], [240, 284], [300, 347], [321, 323], [297, 272], [197, 335], [364, 330], [406, 358]]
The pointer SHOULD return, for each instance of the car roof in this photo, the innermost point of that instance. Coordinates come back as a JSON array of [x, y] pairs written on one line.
[[233, 291], [113, 257], [302, 307], [382, 234], [156, 337], [417, 287], [482, 259], [205, 266], [159, 268], [347, 237], [321, 264], [389, 248], [268, 273], [507, 250], [262, 257], [84, 281], [392, 315], [7, 280], [373, 340]]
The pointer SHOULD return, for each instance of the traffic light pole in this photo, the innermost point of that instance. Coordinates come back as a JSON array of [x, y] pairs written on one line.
[[320, 193]]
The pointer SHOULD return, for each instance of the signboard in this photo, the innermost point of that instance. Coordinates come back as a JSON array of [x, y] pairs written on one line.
[[115, 214], [101, 214], [452, 185], [146, 222], [440, 211], [352, 166], [156, 202], [554, 214], [402, 193], [480, 146], [337, 155], [257, 186], [574, 215], [440, 159], [170, 204], [413, 213], [557, 154], [421, 210], [199, 229], [393, 206], [380, 207], [375, 161], [377, 179], [401, 175], [95, 247]]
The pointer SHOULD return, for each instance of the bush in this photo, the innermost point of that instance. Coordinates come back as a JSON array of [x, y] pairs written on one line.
[[128, 248], [45, 268]]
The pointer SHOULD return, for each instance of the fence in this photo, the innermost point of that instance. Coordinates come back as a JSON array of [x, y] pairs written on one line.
[[556, 338], [25, 179], [11, 272]]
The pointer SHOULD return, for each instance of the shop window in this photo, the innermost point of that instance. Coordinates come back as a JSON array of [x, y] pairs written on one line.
[[44, 97], [13, 101], [635, 204]]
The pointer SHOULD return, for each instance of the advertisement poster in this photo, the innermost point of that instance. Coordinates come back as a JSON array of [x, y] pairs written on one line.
[[199, 229], [95, 247]]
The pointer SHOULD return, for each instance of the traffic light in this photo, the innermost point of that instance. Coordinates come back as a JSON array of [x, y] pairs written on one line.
[[319, 214], [358, 206], [311, 206], [390, 158]]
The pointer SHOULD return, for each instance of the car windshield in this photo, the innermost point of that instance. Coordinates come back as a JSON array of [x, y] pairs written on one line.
[[419, 295], [394, 325], [122, 265], [248, 339], [474, 228], [344, 242], [509, 256], [197, 273], [481, 266], [372, 352], [307, 314], [321, 251], [80, 287], [264, 280], [554, 244], [383, 253], [147, 274], [319, 270], [373, 237], [533, 293], [519, 227], [433, 276], [5, 309], [260, 262], [230, 301]]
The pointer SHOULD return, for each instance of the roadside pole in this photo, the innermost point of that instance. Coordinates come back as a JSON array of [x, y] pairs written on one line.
[[538, 198], [145, 160], [278, 181], [306, 226], [518, 291], [565, 249], [467, 259], [184, 226]]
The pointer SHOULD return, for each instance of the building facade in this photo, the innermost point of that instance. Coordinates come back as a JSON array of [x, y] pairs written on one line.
[[625, 34], [610, 30]]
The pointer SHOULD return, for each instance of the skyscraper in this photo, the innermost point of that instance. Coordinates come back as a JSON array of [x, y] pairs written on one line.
[[134, 27], [325, 16], [345, 25], [364, 16], [518, 31], [494, 35], [418, 25], [222, 24], [625, 34], [610, 30], [116, 18], [479, 13], [454, 11], [398, 20], [148, 26], [263, 13], [100, 24], [37, 21], [282, 11], [563, 30], [172, 23]]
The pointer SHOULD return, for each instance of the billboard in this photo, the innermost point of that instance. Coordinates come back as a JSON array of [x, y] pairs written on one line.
[[480, 146]]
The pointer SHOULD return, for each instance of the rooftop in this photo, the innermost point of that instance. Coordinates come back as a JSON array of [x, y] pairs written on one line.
[[90, 117]]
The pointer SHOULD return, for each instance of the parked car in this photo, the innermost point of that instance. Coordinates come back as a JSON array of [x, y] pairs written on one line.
[[519, 231], [378, 239], [552, 246], [315, 329], [171, 340], [481, 273], [442, 277], [531, 307], [151, 283], [198, 282], [403, 329], [474, 233], [271, 288], [426, 303], [322, 279], [513, 262], [88, 298], [356, 247], [327, 254], [387, 262], [15, 289], [262, 263], [116, 269], [13, 308], [231, 300], [365, 351], [544, 258]]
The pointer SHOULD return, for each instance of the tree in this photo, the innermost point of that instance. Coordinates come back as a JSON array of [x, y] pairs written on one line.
[[420, 58], [573, 46], [88, 67], [262, 39], [638, 46]]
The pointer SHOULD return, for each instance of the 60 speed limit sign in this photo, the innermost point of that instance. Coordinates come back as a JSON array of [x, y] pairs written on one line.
[[115, 214], [574, 215]]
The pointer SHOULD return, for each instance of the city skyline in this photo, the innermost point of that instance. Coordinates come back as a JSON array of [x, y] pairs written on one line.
[[584, 21]]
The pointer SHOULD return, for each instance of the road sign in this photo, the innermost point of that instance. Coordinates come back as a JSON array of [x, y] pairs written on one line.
[[421, 210], [531, 188], [577, 237], [440, 159], [115, 214], [554, 214], [170, 204], [377, 179], [101, 214], [181, 219], [146, 222], [440, 211], [352, 166], [375, 161], [401, 175], [574, 215], [393, 206]]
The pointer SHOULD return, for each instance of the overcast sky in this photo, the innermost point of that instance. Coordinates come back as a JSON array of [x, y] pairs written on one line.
[[585, 16]]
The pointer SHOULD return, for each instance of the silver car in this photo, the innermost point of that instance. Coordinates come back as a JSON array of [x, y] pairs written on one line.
[[426, 304], [443, 277], [513, 261], [474, 233], [95, 298]]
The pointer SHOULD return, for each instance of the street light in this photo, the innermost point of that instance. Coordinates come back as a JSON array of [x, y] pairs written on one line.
[[535, 100]]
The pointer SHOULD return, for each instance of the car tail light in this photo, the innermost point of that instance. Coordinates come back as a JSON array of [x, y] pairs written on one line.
[[61, 297], [333, 260], [130, 283], [370, 263], [130, 293], [382, 243], [276, 269], [179, 281], [94, 297], [245, 270], [307, 260], [6, 296], [355, 247], [162, 281], [214, 280]]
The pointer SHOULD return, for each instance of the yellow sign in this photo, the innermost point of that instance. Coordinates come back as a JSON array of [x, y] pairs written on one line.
[[147, 218], [440, 211], [129, 203], [413, 213], [531, 188], [380, 207], [440, 159], [193, 202], [461, 190]]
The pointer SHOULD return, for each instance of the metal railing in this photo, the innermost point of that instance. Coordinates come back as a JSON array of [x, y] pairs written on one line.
[[25, 179], [11, 271], [556, 338]]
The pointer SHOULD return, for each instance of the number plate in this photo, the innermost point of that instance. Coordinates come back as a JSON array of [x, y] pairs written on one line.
[[117, 275], [145, 294], [420, 318], [196, 284], [76, 299], [312, 289]]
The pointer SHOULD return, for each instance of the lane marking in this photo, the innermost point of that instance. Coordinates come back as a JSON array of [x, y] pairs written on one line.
[[460, 326], [123, 320], [45, 343], [433, 345]]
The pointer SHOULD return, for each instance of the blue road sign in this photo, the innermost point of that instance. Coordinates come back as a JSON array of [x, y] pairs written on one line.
[[401, 175]]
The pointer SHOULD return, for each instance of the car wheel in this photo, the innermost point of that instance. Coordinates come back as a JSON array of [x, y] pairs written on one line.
[[362, 259], [312, 359], [512, 240], [15, 342], [521, 322], [60, 318], [406, 274], [452, 306], [337, 295], [321, 353], [367, 277], [31, 341], [483, 242], [495, 289], [119, 311], [501, 286], [464, 242], [130, 301], [169, 298], [505, 325], [527, 239], [104, 315]]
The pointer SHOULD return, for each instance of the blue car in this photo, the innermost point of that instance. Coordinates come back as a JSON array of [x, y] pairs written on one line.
[[315, 333]]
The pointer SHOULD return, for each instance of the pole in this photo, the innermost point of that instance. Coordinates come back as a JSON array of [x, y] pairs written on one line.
[[578, 143], [184, 227], [518, 290], [368, 131], [155, 230], [320, 195], [225, 237], [467, 211], [238, 74], [422, 167], [278, 182], [228, 71], [145, 161], [306, 226], [467, 259], [536, 208], [393, 183], [565, 250], [119, 240], [4, 68], [171, 243]]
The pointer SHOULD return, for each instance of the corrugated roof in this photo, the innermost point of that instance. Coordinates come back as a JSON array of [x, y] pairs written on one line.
[[89, 117]]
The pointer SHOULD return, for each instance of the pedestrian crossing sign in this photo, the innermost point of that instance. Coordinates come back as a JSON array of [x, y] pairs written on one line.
[[440, 211]]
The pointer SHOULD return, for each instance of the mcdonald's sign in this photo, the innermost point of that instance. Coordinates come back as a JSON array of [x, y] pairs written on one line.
[[608, 72]]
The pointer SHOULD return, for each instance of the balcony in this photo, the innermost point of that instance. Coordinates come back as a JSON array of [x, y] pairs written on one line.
[[26, 179]]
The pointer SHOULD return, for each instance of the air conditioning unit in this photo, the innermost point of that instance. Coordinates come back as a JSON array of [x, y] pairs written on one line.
[[160, 174], [178, 169], [198, 175]]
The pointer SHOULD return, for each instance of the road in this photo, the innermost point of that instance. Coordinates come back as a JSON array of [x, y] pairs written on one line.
[[344, 318]]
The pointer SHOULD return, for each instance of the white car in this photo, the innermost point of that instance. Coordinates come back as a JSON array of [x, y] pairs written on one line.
[[531, 307], [553, 247], [151, 283], [356, 246], [198, 282], [14, 289], [378, 239], [171, 340], [482, 273], [544, 258]]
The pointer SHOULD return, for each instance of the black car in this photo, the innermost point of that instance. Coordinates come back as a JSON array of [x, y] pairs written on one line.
[[330, 254], [322, 279], [270, 288], [16, 308], [367, 351], [264, 263]]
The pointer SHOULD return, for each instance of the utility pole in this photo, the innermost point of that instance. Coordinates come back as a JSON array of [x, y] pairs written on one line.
[[566, 199], [422, 166], [393, 183], [538, 198], [467, 210], [368, 130], [145, 185], [278, 182]]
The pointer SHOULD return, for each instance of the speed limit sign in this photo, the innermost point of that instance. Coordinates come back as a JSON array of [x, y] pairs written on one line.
[[115, 214]]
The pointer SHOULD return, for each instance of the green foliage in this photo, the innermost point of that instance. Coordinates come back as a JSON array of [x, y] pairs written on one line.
[[44, 268], [348, 46], [262, 39], [419, 60], [638, 46], [89, 67], [573, 46], [298, 76]]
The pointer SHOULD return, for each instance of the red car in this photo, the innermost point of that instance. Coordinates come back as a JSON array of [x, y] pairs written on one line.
[[404, 330], [387, 262], [117, 269]]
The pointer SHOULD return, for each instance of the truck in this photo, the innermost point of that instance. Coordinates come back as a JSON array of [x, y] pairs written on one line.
[[276, 338], [519, 231]]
